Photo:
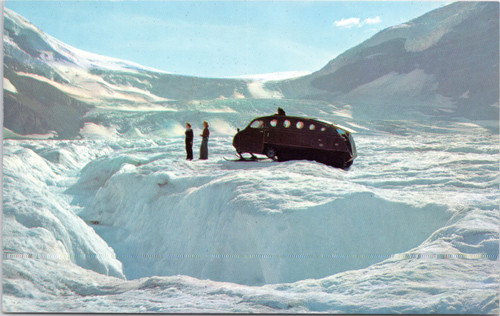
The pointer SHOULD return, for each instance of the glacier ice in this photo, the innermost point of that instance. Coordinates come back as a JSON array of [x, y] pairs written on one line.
[[247, 226], [414, 230], [34, 206]]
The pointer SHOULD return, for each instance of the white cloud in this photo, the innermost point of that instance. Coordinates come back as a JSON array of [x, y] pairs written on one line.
[[351, 22], [374, 20], [347, 23]]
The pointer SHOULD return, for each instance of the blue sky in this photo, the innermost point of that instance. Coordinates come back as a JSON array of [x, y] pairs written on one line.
[[218, 39]]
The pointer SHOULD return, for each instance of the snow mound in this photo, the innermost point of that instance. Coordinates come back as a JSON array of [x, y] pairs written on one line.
[[35, 211], [251, 227], [96, 131]]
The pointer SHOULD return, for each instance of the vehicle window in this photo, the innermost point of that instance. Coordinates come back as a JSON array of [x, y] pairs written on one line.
[[312, 127], [286, 123], [340, 131], [274, 123], [300, 125], [257, 124]]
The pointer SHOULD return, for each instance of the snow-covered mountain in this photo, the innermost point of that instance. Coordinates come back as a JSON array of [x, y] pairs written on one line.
[[50, 85], [433, 66], [444, 63]]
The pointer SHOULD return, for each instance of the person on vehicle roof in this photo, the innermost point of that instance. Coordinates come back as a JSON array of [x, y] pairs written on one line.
[[280, 112]]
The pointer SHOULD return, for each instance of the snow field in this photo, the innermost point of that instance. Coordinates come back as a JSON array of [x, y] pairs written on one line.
[[412, 227]]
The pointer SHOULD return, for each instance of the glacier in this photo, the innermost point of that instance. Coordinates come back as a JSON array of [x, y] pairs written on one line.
[[103, 214], [127, 225]]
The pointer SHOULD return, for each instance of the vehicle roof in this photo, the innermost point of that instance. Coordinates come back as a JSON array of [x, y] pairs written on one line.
[[306, 119]]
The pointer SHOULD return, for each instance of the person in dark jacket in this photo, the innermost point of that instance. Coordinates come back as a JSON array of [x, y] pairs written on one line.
[[189, 142], [204, 141], [281, 112]]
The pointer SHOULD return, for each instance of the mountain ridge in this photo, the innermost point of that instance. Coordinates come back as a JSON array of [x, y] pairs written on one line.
[[73, 82], [434, 66], [455, 68]]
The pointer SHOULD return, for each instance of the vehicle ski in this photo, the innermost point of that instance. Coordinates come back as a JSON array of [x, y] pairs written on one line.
[[241, 158]]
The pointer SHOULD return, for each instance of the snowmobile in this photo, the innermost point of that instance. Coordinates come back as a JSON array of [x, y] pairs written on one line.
[[283, 138]]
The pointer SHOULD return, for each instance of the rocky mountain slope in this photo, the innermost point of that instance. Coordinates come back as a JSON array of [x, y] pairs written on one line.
[[49, 85], [443, 63]]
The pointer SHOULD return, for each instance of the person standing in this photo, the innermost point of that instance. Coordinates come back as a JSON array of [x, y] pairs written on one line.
[[204, 141], [189, 142]]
